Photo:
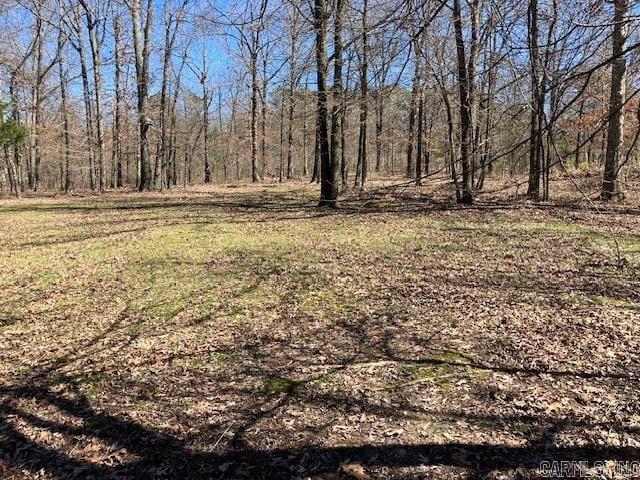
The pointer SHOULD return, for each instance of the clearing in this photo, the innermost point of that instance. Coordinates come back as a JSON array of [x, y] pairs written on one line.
[[244, 333]]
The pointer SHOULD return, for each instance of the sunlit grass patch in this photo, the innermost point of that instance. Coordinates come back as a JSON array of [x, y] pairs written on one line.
[[608, 301]]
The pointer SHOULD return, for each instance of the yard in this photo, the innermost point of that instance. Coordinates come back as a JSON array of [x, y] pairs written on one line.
[[245, 333]]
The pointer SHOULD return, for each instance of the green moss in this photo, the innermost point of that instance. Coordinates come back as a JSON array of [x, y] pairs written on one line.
[[47, 278], [451, 356], [372, 351], [502, 343], [450, 247], [436, 373], [92, 382], [433, 371], [256, 352], [445, 384], [480, 374], [224, 359], [196, 362], [448, 226], [612, 301], [279, 385], [332, 379], [524, 428]]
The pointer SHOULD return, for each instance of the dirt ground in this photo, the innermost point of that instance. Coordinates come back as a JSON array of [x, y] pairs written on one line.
[[239, 331]]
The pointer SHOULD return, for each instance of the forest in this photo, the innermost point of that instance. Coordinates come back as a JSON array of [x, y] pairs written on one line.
[[319, 239]]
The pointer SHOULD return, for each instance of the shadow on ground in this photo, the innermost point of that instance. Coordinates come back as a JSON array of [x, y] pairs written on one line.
[[157, 455]]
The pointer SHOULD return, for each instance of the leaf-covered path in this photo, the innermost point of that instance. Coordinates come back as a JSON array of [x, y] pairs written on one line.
[[243, 333]]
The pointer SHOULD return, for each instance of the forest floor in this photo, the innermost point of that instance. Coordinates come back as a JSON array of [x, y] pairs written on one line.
[[241, 332]]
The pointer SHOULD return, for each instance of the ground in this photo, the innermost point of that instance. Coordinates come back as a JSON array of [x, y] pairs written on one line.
[[241, 332]]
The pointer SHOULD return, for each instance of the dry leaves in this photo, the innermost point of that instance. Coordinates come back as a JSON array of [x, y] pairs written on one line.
[[247, 335]]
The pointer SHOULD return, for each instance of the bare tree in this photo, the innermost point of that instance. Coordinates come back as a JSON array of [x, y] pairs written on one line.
[[64, 101], [141, 45], [537, 104], [94, 23], [610, 186], [362, 165], [173, 18], [116, 146], [465, 81], [294, 79], [77, 41], [328, 164], [337, 111]]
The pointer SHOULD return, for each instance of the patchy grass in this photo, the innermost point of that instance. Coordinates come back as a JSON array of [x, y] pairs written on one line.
[[279, 385], [603, 300], [242, 326]]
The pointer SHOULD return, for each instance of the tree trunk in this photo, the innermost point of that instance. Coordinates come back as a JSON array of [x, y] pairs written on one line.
[[12, 172], [205, 128], [315, 176], [615, 131], [293, 83], [225, 154], [466, 130], [379, 128], [344, 165], [116, 147], [281, 164], [337, 93], [37, 106], [364, 106], [305, 157], [328, 165], [255, 177], [535, 143], [94, 44], [419, 152], [86, 91], [65, 180], [159, 179], [411, 166], [141, 44], [263, 118]]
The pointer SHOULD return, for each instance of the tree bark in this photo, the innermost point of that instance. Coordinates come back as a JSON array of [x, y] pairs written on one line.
[[305, 156], [116, 147], [537, 105], [205, 127], [34, 171], [263, 118], [328, 166], [411, 166], [94, 44], [255, 177], [466, 128], [336, 89], [66, 177], [293, 83], [363, 165], [419, 151], [141, 44], [86, 93], [615, 131]]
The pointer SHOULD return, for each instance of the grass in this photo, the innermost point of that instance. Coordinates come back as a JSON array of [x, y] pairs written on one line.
[[603, 300], [279, 385], [220, 301]]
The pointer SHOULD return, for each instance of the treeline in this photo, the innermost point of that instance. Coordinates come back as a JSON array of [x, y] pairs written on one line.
[[104, 94]]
